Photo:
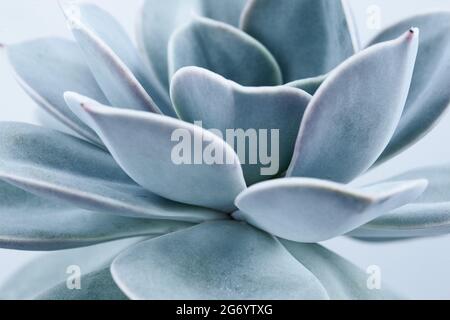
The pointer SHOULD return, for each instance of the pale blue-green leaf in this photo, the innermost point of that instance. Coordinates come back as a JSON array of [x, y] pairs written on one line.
[[310, 210], [221, 260], [159, 19], [307, 37], [172, 158], [113, 34], [309, 85], [201, 95], [225, 50], [341, 279], [57, 166], [73, 101], [228, 12], [32, 223], [354, 114], [113, 61], [428, 216], [48, 67], [429, 97], [98, 285], [50, 269]]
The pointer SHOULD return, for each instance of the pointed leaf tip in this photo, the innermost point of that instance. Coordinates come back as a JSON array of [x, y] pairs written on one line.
[[115, 63], [349, 122], [47, 67], [429, 97], [57, 166], [309, 210], [150, 158], [428, 216]]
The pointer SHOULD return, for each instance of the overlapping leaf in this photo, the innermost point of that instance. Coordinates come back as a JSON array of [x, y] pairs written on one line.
[[48, 67], [60, 167], [225, 50], [268, 117], [31, 223], [355, 112], [429, 96], [50, 269], [158, 20], [221, 260], [309, 210], [428, 216], [169, 157], [114, 62], [308, 38]]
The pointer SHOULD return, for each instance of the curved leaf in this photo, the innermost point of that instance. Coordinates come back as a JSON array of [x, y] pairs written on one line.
[[225, 50], [159, 19], [428, 216], [307, 37], [57, 166], [429, 96], [50, 269], [114, 63], [354, 114], [201, 95], [310, 85], [31, 223], [172, 158], [223, 260], [309, 210], [48, 67], [341, 279]]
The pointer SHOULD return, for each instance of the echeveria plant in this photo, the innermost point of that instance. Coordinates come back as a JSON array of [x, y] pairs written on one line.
[[215, 229]]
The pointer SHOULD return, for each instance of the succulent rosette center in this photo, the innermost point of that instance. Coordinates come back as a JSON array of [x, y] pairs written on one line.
[[231, 142]]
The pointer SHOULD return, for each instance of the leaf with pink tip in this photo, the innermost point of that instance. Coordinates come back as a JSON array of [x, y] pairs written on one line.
[[354, 114]]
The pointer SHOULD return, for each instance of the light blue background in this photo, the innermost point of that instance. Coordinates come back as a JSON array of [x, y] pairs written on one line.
[[419, 268]]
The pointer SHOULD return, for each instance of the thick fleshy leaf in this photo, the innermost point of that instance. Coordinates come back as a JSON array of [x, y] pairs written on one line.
[[98, 285], [159, 19], [201, 95], [428, 216], [225, 50], [31, 223], [50, 269], [355, 112], [341, 279], [114, 62], [48, 67], [57, 166], [222, 260], [307, 37], [310, 210], [172, 158], [309, 85], [429, 96]]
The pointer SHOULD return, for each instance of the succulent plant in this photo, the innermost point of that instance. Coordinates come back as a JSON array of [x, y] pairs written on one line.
[[110, 199]]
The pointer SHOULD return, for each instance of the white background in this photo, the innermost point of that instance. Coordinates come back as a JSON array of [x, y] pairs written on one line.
[[418, 269]]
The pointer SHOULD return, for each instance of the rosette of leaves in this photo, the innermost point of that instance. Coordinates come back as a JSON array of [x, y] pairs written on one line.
[[220, 231]]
